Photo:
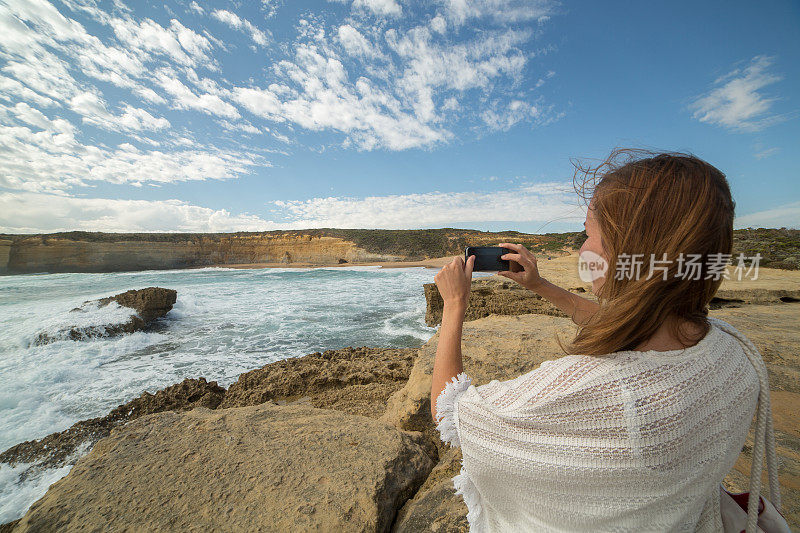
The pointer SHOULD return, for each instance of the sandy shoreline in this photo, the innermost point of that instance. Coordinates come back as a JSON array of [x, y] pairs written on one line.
[[437, 262]]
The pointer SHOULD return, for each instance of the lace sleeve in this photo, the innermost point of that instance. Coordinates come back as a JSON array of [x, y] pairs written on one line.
[[490, 397], [446, 405], [496, 405]]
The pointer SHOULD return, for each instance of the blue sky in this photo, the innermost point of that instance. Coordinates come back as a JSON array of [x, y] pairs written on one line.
[[246, 116]]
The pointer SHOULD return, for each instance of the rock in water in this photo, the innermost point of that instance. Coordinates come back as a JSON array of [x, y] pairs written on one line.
[[259, 468], [149, 304]]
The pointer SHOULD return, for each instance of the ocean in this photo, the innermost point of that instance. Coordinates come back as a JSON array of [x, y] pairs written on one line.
[[225, 322]]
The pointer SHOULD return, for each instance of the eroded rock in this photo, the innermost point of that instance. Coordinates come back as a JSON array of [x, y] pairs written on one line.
[[436, 507], [54, 449], [259, 468], [355, 380], [148, 304]]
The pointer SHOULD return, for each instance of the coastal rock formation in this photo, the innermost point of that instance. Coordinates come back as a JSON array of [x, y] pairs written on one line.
[[364, 381], [5, 254], [354, 380], [149, 304], [737, 298], [500, 296], [56, 448], [99, 252], [259, 468], [435, 507]]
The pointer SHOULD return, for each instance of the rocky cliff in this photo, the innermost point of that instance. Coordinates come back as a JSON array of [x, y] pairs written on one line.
[[81, 251], [128, 252]]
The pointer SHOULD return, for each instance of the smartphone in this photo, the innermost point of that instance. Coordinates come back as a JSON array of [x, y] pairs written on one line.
[[487, 258]]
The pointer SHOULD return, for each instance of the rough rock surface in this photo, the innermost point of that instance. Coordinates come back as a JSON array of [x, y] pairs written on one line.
[[259, 468], [149, 303], [436, 507], [56, 448], [354, 380], [503, 347]]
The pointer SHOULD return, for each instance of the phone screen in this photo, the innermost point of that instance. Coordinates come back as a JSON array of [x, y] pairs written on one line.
[[487, 258]]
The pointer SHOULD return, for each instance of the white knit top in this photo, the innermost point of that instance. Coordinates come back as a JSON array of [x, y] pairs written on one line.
[[631, 441]]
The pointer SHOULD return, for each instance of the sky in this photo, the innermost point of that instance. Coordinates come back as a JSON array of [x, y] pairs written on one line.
[[197, 116]]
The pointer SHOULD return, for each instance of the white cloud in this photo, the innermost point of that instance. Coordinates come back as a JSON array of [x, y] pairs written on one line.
[[24, 212], [94, 111], [30, 212], [31, 116], [326, 99], [506, 11], [438, 24], [235, 21], [532, 203], [736, 101], [782, 216], [179, 43], [384, 8], [764, 153], [185, 98], [504, 118], [50, 158], [354, 43], [194, 6], [429, 67]]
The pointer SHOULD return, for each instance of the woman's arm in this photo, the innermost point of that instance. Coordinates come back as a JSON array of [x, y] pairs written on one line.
[[454, 281], [576, 307], [525, 271], [448, 362]]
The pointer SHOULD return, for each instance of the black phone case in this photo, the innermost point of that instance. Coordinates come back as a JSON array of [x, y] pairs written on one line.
[[487, 258]]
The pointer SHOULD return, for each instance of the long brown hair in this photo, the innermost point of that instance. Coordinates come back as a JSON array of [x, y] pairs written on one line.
[[654, 203]]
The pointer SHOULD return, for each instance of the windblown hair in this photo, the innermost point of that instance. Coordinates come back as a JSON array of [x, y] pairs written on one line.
[[665, 204]]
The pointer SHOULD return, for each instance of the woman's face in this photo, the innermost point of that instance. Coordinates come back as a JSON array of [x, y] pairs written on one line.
[[593, 246]]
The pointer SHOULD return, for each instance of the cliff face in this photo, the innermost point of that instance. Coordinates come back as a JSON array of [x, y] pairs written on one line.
[[5, 252], [52, 254]]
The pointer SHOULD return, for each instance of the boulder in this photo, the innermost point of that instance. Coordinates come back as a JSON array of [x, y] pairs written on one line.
[[149, 304], [436, 507], [258, 468], [355, 380]]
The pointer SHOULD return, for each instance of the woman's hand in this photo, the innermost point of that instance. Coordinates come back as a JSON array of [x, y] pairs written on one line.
[[523, 267], [454, 281]]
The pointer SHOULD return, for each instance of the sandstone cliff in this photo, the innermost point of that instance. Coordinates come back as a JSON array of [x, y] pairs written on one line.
[[81, 251], [42, 253]]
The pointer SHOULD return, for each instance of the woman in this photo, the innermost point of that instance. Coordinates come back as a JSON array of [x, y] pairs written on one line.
[[636, 427]]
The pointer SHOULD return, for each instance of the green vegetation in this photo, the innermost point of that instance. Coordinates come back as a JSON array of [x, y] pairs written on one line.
[[779, 248]]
